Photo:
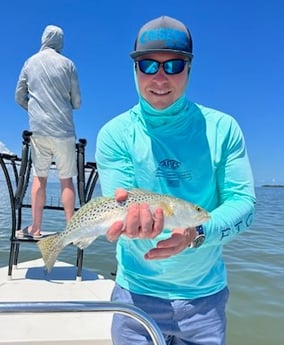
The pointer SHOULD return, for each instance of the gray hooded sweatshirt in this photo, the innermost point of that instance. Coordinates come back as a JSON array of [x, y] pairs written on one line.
[[48, 88]]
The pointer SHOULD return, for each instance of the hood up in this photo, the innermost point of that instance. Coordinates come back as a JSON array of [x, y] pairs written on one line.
[[52, 37]]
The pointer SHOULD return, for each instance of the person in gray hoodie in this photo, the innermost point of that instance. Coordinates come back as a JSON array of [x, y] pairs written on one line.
[[48, 89]]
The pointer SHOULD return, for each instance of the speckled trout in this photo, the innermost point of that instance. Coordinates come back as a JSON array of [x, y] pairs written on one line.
[[95, 217]]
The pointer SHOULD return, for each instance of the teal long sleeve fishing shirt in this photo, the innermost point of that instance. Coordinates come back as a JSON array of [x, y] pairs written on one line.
[[192, 152]]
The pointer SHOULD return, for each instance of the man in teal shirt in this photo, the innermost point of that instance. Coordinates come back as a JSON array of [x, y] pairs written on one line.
[[170, 145]]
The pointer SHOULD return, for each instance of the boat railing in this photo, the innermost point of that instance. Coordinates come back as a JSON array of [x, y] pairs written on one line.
[[88, 306], [17, 173]]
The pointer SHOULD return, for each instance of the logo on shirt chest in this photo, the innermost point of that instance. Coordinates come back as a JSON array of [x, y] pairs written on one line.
[[171, 170]]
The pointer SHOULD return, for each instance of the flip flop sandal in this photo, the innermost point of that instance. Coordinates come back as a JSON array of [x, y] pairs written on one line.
[[24, 233], [37, 237]]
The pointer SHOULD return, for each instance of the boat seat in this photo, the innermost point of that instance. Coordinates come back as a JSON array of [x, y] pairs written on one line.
[[17, 173]]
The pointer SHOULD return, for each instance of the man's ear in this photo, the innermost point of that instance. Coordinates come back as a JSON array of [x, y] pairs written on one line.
[[189, 66], [188, 71]]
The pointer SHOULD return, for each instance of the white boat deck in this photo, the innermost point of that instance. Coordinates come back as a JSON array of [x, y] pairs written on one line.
[[30, 284]]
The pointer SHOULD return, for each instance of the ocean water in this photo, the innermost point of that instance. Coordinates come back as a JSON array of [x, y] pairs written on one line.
[[255, 262]]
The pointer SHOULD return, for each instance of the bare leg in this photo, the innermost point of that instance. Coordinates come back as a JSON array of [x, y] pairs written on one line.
[[38, 194], [68, 197]]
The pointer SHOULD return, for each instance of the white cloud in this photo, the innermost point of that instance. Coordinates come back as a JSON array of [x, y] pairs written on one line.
[[4, 149]]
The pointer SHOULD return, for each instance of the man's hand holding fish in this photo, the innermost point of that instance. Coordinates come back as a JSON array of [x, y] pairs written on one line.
[[142, 214], [141, 223]]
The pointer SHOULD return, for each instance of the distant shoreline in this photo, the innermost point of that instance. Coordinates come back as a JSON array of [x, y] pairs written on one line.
[[273, 185]]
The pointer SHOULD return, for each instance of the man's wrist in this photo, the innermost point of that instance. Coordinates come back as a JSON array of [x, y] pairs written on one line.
[[199, 238]]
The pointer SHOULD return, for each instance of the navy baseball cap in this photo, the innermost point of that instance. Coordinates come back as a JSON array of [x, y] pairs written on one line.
[[163, 34]]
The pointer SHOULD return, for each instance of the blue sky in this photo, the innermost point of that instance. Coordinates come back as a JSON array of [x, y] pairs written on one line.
[[238, 64]]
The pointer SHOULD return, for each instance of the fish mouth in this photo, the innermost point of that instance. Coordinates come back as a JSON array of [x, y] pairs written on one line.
[[202, 219]]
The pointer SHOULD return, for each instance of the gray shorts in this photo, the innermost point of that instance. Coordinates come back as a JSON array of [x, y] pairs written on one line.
[[45, 150], [199, 321]]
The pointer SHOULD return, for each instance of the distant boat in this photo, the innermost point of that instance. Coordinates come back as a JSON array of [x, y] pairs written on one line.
[[273, 185]]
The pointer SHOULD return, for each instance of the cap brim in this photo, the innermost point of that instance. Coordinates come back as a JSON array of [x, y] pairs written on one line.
[[135, 53]]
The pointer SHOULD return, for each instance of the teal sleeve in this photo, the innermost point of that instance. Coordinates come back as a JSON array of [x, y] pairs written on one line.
[[114, 162], [236, 209]]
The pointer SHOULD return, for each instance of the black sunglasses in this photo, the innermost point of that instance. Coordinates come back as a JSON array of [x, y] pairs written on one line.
[[174, 66]]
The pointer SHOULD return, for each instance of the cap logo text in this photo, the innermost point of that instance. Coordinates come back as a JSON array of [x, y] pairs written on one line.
[[171, 38]]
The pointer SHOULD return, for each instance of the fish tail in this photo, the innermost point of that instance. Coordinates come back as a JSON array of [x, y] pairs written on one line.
[[50, 247]]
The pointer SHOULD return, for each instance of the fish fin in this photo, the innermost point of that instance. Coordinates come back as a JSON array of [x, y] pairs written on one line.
[[50, 247], [138, 191], [83, 243], [168, 210], [100, 199], [89, 205]]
